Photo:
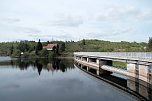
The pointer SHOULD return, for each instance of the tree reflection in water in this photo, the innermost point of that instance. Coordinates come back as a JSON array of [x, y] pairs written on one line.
[[40, 64]]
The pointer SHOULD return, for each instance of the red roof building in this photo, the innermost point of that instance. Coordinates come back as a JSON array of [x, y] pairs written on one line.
[[50, 46]]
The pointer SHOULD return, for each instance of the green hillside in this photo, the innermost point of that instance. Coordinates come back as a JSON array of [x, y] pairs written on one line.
[[68, 47], [105, 46]]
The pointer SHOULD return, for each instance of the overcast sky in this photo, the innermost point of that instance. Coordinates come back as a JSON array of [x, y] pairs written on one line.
[[114, 20]]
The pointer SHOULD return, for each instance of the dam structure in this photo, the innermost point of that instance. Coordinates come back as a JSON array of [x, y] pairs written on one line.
[[139, 64]]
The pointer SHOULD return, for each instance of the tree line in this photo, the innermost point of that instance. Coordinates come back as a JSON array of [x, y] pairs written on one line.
[[30, 49], [35, 49]]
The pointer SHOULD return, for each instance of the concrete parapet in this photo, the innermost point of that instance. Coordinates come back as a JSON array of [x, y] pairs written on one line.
[[135, 68], [131, 68], [143, 72]]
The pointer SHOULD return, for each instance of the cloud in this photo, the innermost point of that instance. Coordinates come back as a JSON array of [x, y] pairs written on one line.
[[27, 30], [108, 33], [75, 19], [66, 21], [145, 15], [117, 13], [54, 35], [10, 20]]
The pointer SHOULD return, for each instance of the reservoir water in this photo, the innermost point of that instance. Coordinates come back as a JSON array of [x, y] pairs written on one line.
[[61, 80]]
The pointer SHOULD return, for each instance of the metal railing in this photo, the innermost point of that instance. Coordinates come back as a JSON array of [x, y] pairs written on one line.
[[138, 55]]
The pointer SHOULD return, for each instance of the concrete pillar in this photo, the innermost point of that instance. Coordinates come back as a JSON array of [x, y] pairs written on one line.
[[77, 57], [150, 74], [81, 58], [87, 59], [139, 86], [81, 65], [87, 68], [143, 72], [150, 78], [131, 84], [98, 73], [97, 61], [143, 89], [131, 68], [150, 92]]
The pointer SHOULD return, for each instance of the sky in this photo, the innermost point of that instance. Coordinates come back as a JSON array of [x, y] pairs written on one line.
[[112, 20]]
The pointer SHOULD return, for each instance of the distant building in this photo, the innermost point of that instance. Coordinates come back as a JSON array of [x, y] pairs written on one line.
[[50, 46]]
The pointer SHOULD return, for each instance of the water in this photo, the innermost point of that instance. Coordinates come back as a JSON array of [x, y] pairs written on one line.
[[3, 58], [53, 80]]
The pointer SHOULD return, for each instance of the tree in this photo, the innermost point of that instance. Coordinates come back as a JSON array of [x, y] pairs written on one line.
[[23, 46], [62, 47], [39, 46], [83, 42], [44, 53], [16, 53], [48, 42], [150, 44], [57, 49], [11, 50], [26, 47], [54, 49]]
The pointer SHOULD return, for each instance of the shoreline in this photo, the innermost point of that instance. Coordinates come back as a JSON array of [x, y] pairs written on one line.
[[10, 58], [64, 57]]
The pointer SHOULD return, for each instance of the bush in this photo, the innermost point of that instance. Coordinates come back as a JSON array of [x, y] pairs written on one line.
[[25, 55], [33, 55], [51, 54], [43, 53], [16, 53]]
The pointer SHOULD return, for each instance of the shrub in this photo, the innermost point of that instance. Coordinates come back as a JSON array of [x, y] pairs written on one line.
[[16, 53], [25, 55], [43, 53]]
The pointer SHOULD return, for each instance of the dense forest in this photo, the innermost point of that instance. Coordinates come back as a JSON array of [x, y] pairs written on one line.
[[68, 47]]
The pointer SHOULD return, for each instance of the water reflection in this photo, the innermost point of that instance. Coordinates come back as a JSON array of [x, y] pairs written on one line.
[[139, 89], [32, 80], [40, 64]]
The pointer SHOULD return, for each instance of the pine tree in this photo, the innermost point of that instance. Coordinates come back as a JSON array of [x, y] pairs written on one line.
[[39, 46], [11, 50], [57, 49], [83, 42]]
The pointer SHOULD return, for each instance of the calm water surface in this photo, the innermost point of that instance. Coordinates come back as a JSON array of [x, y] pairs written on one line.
[[53, 80]]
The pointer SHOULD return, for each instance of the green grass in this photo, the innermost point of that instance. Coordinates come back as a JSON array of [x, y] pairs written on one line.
[[119, 64]]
